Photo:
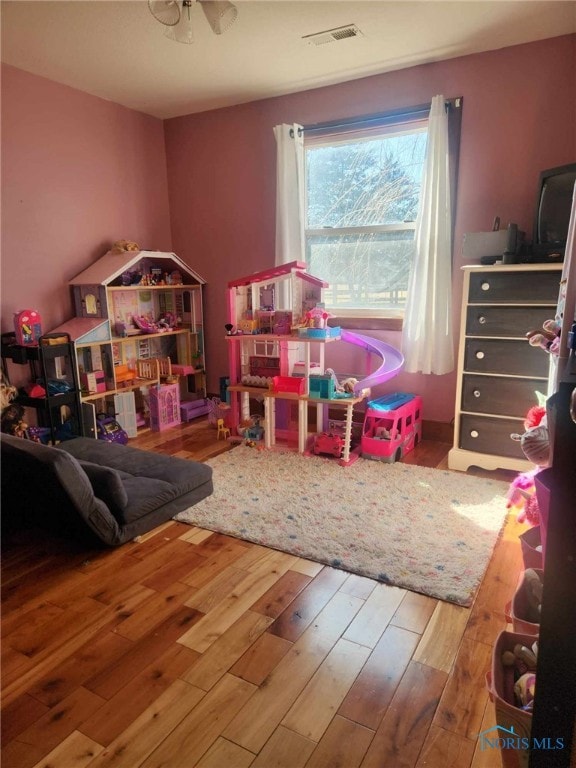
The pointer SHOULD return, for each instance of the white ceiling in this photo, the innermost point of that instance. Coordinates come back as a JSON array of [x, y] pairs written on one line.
[[118, 51]]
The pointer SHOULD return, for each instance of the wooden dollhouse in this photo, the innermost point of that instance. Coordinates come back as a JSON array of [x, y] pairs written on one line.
[[138, 325]]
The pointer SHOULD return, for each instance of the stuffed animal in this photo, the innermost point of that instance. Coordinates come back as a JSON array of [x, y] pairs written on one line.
[[11, 415], [122, 246], [521, 498]]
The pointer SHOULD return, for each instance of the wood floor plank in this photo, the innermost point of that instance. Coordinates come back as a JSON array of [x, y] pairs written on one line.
[[307, 567], [55, 655], [117, 714], [155, 610], [21, 624], [370, 694], [83, 664], [447, 749], [260, 659], [177, 568], [294, 620], [201, 636], [342, 746], [285, 749], [359, 586], [76, 751], [257, 721], [373, 618], [464, 699], [19, 715], [488, 616], [228, 648], [226, 754], [206, 598], [441, 639], [149, 730], [414, 612], [402, 733], [121, 671], [279, 596], [196, 733], [60, 721], [485, 758], [196, 535], [311, 713]]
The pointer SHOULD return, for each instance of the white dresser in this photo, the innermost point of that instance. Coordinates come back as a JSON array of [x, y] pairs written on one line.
[[498, 371]]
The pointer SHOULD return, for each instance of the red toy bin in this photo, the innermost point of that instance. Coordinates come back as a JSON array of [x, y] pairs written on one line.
[[518, 610], [530, 541], [512, 722]]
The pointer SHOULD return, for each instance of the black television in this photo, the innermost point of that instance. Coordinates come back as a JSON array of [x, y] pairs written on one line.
[[553, 206]]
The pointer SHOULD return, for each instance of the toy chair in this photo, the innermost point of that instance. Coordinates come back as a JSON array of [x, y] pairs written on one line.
[[222, 430]]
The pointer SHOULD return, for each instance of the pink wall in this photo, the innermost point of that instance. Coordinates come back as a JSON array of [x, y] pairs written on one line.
[[78, 173], [518, 118]]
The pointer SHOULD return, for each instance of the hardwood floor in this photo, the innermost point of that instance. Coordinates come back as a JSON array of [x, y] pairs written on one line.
[[189, 649]]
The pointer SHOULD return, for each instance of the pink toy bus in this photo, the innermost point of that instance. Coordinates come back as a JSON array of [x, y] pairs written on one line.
[[392, 427]]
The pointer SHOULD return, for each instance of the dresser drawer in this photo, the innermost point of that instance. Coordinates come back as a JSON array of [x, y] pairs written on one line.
[[500, 395], [517, 358], [487, 435], [505, 321], [514, 287]]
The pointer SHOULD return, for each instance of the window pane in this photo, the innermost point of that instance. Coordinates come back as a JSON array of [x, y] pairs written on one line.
[[365, 182], [368, 271]]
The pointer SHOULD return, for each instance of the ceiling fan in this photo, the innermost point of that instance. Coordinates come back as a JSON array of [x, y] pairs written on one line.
[[176, 16]]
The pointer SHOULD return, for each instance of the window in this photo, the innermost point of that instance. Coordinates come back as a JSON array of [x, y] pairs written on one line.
[[362, 195]]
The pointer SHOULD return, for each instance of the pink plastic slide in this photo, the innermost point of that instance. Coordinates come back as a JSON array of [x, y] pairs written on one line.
[[392, 359]]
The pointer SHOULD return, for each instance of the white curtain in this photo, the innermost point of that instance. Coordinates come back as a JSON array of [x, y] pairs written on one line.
[[289, 193], [427, 340]]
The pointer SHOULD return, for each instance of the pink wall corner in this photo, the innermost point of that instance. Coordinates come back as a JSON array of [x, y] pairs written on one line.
[[518, 118], [78, 173]]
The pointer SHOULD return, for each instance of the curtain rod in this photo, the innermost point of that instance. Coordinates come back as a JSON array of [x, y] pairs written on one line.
[[382, 118]]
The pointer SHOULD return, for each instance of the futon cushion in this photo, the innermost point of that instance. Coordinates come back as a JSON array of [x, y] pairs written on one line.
[[107, 486]]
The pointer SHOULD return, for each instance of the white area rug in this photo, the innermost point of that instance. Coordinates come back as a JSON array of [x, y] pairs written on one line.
[[428, 530]]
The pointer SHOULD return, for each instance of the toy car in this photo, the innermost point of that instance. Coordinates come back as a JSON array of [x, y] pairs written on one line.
[[328, 443]]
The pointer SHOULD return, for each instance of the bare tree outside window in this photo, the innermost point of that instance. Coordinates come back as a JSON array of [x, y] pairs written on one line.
[[362, 203]]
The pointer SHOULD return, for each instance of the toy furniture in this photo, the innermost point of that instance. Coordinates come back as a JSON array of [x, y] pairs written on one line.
[[277, 335], [97, 491], [392, 427], [139, 321], [164, 402], [498, 371], [54, 392], [222, 430]]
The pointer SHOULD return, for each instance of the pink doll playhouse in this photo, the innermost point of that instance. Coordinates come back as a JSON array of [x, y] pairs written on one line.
[[277, 333]]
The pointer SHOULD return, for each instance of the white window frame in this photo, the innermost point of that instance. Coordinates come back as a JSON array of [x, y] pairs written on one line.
[[417, 126]]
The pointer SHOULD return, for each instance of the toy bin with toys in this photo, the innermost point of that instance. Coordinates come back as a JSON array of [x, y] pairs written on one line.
[[392, 427], [523, 611], [511, 684]]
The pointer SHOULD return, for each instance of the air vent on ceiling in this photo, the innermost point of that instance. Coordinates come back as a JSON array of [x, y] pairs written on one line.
[[333, 35]]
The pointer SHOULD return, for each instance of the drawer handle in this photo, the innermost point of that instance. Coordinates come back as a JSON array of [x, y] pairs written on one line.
[[476, 393], [482, 320], [480, 355], [485, 286], [474, 433]]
